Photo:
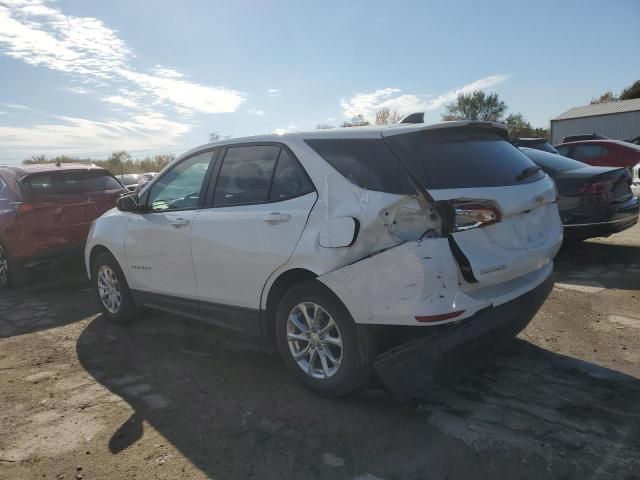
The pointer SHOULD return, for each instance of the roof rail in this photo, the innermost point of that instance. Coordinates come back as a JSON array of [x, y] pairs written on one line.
[[417, 117]]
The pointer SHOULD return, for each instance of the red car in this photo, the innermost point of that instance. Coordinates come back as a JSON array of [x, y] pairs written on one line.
[[46, 211], [602, 153]]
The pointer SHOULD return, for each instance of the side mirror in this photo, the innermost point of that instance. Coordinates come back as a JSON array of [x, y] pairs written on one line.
[[128, 203], [339, 232]]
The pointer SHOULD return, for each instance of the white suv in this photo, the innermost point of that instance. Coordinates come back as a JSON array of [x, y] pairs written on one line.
[[401, 250]]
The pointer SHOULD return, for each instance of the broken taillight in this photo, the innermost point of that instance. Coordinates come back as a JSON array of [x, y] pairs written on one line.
[[24, 207], [597, 187], [470, 215]]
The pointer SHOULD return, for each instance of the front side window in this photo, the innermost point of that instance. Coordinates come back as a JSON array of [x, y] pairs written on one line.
[[180, 188], [245, 175]]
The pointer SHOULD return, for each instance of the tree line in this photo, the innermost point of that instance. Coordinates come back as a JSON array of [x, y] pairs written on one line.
[[118, 163], [476, 105]]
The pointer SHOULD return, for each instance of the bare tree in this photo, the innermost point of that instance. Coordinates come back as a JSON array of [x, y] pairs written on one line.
[[356, 121], [607, 96], [214, 137], [386, 116]]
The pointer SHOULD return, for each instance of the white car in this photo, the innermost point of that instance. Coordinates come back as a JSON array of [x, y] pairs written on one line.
[[635, 185], [400, 249]]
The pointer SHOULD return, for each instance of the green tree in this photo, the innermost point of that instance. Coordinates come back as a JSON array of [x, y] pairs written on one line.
[[632, 91], [607, 96], [518, 126], [476, 106]]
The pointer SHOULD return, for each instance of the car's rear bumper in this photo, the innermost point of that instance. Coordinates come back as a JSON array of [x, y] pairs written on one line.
[[45, 258], [410, 368], [623, 218]]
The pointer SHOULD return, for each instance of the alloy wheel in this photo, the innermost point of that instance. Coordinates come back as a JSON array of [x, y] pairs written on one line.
[[314, 340], [109, 289], [4, 268]]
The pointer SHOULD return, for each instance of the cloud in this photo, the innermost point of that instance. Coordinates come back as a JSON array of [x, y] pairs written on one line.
[[367, 104], [254, 111], [91, 52], [81, 136], [15, 106], [121, 101], [273, 92], [288, 129], [77, 90]]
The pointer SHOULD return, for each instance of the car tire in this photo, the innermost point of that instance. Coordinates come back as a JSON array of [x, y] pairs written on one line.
[[111, 290], [12, 274], [296, 337]]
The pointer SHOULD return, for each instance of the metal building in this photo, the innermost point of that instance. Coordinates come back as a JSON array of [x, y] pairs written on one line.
[[619, 120]]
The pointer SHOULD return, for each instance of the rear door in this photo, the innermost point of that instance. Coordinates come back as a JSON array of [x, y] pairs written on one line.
[[467, 169], [256, 213], [67, 201]]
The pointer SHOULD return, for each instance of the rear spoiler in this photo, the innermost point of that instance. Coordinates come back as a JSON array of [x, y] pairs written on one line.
[[411, 121]]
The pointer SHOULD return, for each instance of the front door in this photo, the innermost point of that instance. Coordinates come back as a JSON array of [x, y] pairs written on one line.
[[157, 242], [258, 211]]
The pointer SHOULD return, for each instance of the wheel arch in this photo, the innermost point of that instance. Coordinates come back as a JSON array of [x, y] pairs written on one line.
[[95, 251], [278, 288]]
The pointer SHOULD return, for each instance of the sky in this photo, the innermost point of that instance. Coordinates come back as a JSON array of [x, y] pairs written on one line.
[[86, 78]]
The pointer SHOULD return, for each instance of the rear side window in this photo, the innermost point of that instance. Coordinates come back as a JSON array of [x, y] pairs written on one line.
[[368, 163], [289, 179], [245, 175], [70, 182], [583, 152], [564, 151], [463, 158]]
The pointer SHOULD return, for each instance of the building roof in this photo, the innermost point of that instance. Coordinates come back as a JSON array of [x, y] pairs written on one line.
[[619, 106]]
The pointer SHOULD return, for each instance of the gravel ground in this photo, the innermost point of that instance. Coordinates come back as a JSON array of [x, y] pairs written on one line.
[[168, 398]]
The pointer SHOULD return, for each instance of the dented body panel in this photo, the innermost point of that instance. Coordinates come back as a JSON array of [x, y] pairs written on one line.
[[419, 279]]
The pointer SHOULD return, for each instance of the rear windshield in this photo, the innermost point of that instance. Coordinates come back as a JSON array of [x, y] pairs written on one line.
[[552, 162], [440, 159], [70, 182], [463, 158]]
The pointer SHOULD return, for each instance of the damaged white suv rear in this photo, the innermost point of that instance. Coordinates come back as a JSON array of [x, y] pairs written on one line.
[[407, 251]]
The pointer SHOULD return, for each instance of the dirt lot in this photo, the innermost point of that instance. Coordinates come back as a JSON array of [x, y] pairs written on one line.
[[167, 398]]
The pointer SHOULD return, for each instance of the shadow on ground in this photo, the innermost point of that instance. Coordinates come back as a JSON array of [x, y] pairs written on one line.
[[234, 412], [600, 265], [38, 307]]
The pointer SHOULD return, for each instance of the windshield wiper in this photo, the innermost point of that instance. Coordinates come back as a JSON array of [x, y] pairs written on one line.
[[527, 172]]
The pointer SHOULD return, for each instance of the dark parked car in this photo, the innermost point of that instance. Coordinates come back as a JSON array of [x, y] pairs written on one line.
[[537, 143], [45, 214], [584, 136], [635, 141], [593, 201], [130, 180], [602, 153]]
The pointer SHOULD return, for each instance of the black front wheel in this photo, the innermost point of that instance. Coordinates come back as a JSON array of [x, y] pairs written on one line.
[[12, 275]]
